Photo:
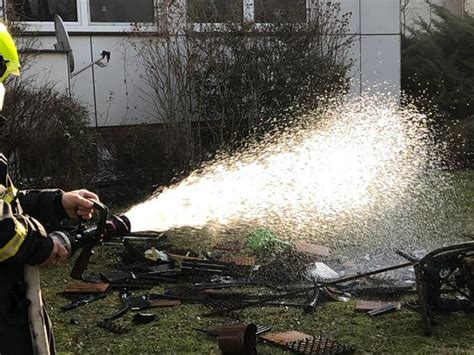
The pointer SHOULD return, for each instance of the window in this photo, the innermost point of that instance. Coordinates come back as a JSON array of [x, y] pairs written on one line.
[[214, 11], [43, 10], [136, 11], [258, 11], [279, 11]]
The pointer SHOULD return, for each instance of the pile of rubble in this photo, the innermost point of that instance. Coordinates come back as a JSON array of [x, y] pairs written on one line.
[[302, 275]]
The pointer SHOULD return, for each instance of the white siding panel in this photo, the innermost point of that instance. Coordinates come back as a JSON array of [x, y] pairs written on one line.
[[82, 85], [352, 6], [455, 6], [119, 86], [470, 7], [44, 42], [381, 64], [380, 16], [48, 68], [413, 11], [354, 73]]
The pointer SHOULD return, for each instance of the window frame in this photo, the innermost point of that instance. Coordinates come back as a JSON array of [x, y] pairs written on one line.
[[38, 23], [126, 25], [248, 16], [84, 23]]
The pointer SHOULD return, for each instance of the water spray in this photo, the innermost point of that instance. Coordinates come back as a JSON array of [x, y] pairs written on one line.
[[338, 175]]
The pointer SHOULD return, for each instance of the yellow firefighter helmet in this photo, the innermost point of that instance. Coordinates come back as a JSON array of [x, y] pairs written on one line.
[[9, 62]]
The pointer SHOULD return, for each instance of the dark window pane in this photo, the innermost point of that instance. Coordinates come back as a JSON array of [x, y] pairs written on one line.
[[215, 11], [43, 10], [280, 11], [122, 11]]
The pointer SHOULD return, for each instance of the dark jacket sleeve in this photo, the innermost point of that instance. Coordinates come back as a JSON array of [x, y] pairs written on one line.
[[44, 205], [22, 238]]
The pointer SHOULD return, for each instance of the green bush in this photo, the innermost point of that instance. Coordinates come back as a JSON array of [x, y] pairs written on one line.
[[141, 159], [47, 138], [438, 73], [241, 80]]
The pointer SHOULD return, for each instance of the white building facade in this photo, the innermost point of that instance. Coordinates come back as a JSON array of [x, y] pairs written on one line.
[[469, 7], [414, 10], [116, 95]]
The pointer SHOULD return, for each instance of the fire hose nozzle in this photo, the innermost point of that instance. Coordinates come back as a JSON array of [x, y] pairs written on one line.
[[83, 238], [87, 238], [116, 227]]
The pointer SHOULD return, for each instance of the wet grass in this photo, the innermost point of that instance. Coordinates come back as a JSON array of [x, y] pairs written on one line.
[[172, 331]]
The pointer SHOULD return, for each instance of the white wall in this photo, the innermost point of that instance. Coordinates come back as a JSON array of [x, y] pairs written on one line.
[[48, 67], [380, 46], [120, 87], [116, 95], [376, 51], [414, 10], [469, 7]]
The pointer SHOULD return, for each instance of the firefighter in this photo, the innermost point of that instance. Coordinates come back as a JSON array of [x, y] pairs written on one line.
[[24, 218]]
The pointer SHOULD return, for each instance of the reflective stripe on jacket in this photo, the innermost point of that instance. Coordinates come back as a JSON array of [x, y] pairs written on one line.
[[23, 240]]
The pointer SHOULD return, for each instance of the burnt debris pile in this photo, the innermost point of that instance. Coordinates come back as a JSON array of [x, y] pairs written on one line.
[[226, 280]]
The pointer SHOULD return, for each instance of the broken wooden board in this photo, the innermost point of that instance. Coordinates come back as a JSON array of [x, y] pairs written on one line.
[[87, 288], [239, 260], [161, 303], [313, 249], [365, 306], [285, 337]]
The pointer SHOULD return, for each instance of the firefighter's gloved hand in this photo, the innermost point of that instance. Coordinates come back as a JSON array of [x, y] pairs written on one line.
[[76, 203], [59, 253]]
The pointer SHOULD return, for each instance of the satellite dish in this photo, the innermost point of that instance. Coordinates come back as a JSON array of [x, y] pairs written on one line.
[[63, 41], [64, 45]]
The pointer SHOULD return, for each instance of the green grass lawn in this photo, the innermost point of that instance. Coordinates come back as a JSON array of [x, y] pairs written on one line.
[[172, 331]]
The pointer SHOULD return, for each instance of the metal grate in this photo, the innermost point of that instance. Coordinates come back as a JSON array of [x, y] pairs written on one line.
[[307, 344], [319, 345]]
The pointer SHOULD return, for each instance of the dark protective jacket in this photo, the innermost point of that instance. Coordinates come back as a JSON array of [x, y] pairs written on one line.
[[25, 216]]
